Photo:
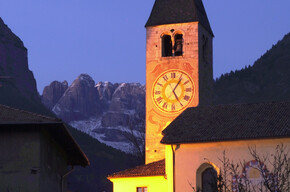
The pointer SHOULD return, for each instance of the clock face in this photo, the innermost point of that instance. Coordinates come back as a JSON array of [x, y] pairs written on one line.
[[173, 91]]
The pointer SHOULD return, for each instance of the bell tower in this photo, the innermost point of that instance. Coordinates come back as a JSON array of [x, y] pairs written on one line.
[[178, 66]]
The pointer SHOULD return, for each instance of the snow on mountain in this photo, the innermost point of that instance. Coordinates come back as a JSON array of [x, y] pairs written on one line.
[[106, 111]]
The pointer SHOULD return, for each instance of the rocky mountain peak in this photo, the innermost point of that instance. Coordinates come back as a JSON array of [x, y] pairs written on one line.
[[106, 90], [14, 63], [84, 80], [53, 92], [79, 101], [6, 35], [128, 88]]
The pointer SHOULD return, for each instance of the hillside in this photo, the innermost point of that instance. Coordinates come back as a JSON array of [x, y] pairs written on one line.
[[104, 161], [267, 80]]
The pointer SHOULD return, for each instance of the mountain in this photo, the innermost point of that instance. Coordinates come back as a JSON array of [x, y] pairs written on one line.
[[17, 82], [52, 93], [14, 63], [104, 110], [267, 80], [116, 108], [18, 89]]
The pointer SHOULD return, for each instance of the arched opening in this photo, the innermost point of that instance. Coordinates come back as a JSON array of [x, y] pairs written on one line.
[[206, 177], [178, 45], [166, 46], [209, 180]]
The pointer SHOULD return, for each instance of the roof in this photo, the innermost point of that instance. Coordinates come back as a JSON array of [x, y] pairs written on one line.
[[9, 115], [230, 122], [152, 169], [181, 11], [16, 119]]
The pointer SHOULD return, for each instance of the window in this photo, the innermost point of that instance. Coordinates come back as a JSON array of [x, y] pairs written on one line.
[[166, 46], [141, 189], [178, 45], [209, 180], [206, 178]]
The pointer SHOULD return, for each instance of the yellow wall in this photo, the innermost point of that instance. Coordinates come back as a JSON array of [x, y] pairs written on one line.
[[153, 184], [188, 157]]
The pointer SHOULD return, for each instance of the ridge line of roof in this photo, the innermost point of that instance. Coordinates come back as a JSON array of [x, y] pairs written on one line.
[[31, 113]]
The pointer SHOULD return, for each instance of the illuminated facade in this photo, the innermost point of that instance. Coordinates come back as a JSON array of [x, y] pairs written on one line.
[[178, 75], [178, 66], [185, 134]]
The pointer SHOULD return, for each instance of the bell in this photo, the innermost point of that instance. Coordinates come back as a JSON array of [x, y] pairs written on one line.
[[178, 47]]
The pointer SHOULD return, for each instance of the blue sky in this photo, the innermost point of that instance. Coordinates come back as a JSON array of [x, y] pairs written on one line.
[[106, 39]]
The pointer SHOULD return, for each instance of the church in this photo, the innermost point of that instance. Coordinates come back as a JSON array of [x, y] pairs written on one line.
[[186, 135]]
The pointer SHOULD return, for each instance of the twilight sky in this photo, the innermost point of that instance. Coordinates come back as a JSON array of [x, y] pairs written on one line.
[[106, 39]]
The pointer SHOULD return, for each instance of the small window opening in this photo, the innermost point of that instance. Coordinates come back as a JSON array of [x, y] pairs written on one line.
[[178, 45], [166, 46], [34, 170], [141, 189]]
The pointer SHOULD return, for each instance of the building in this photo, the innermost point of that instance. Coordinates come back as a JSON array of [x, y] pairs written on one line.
[[37, 152], [185, 134]]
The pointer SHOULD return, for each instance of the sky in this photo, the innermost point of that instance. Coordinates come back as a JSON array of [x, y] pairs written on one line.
[[106, 39]]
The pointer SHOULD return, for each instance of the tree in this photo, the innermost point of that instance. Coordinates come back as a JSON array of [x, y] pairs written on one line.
[[136, 136], [274, 178]]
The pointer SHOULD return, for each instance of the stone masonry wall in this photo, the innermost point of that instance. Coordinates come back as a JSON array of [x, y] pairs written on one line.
[[157, 120]]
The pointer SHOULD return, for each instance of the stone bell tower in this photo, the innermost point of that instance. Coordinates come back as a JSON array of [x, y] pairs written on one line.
[[178, 66]]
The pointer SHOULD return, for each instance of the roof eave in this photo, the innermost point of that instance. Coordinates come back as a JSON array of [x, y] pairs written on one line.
[[220, 140]]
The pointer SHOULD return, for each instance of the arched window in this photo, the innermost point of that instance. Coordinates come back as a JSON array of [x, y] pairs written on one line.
[[206, 178], [209, 180], [178, 45], [166, 46]]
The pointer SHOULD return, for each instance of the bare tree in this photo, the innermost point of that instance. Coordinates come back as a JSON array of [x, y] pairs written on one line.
[[275, 178], [278, 178], [136, 137]]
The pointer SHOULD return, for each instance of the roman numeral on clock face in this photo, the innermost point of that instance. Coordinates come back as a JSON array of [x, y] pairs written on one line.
[[157, 92], [173, 75], [159, 100], [186, 98], [188, 89], [173, 107], [165, 105], [185, 82], [165, 77]]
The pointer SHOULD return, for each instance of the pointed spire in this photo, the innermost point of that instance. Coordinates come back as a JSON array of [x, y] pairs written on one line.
[[178, 11]]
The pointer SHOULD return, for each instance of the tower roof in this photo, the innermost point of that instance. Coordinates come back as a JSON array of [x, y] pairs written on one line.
[[178, 11]]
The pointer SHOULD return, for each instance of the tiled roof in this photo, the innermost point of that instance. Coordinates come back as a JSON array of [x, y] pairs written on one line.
[[152, 169], [18, 120], [10, 115], [230, 122], [178, 11]]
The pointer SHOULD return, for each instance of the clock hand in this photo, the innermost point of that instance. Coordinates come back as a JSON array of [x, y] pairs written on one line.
[[171, 89], [177, 83], [177, 98]]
